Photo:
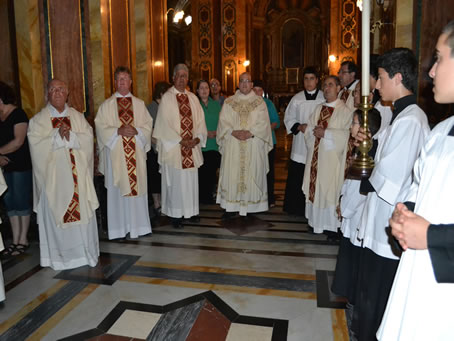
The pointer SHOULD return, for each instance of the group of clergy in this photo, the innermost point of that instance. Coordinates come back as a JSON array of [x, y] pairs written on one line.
[[61, 143]]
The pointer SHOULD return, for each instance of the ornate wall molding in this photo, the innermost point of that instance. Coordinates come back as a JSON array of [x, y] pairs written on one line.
[[229, 30], [205, 43]]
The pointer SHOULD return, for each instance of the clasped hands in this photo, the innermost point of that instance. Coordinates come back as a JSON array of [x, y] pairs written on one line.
[[409, 228], [64, 132], [190, 143], [127, 130], [242, 135]]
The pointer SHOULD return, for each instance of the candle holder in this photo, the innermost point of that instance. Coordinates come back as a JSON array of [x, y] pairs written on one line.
[[363, 164]]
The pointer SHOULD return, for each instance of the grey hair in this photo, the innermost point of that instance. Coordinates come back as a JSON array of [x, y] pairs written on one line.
[[449, 31], [179, 67]]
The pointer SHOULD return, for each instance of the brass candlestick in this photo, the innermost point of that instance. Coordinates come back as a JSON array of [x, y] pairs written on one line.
[[363, 165]]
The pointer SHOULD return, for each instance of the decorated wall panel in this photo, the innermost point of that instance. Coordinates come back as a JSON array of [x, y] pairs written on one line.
[[66, 58]]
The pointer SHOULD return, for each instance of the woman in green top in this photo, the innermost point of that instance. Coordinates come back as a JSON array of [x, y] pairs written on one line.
[[211, 156]]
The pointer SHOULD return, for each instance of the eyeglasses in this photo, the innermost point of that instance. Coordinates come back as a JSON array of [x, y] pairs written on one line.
[[245, 81], [59, 89], [214, 85]]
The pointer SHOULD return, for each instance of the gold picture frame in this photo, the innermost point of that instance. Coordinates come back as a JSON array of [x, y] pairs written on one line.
[[291, 75]]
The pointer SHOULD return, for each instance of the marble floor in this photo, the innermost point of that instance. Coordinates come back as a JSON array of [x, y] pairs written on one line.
[[261, 278]]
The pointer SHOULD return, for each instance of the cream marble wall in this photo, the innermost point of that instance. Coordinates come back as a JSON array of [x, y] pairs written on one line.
[[96, 54], [404, 23], [29, 55]]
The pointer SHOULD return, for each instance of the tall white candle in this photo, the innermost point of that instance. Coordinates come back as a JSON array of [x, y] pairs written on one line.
[[365, 48]]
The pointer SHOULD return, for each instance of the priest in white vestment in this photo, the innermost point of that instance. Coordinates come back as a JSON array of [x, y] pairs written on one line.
[[348, 82], [3, 187], [420, 305], [296, 117], [180, 132], [244, 139], [64, 197], [123, 131], [326, 135]]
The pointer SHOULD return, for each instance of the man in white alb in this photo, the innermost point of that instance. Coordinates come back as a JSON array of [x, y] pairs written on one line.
[[181, 132], [64, 197], [244, 139], [123, 130], [296, 117]]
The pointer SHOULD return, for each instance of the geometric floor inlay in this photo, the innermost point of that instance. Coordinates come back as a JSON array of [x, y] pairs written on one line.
[[200, 317]]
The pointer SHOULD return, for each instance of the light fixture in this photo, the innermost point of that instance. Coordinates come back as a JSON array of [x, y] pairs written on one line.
[[158, 63], [178, 16], [188, 20], [359, 4], [332, 58], [246, 63]]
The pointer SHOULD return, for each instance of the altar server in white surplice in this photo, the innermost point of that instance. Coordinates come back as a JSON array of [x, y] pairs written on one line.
[[123, 130], [296, 116], [326, 135], [2, 286], [180, 132], [64, 198], [398, 148], [244, 139], [420, 306]]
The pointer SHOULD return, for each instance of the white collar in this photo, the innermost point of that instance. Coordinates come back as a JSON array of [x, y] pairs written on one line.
[[331, 104], [118, 95], [55, 113]]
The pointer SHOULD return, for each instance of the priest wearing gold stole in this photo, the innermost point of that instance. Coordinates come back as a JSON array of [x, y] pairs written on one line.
[[64, 198], [123, 130], [326, 135], [244, 139], [180, 131]]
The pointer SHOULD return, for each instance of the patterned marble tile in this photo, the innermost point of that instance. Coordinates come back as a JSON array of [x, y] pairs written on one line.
[[179, 318], [109, 268]]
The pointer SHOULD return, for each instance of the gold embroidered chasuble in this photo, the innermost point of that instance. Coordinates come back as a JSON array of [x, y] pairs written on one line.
[[242, 184], [107, 123], [63, 174]]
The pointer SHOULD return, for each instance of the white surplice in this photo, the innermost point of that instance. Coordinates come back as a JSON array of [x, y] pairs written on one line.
[[321, 213], [298, 111], [2, 286], [419, 308], [242, 179], [351, 206], [398, 149], [180, 190], [63, 245], [125, 214]]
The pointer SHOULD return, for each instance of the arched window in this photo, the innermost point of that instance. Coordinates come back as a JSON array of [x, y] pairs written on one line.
[[292, 44]]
